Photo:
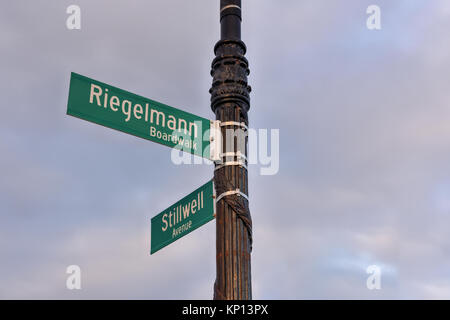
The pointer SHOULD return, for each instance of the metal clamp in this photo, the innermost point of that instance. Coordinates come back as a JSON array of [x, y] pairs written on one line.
[[215, 138], [230, 6], [231, 192], [231, 163], [238, 154], [233, 123]]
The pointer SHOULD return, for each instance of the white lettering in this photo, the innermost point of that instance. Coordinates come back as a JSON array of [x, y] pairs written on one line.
[[113, 103], [158, 114], [374, 21], [164, 220], [74, 280], [128, 110], [74, 20], [138, 110], [96, 94]]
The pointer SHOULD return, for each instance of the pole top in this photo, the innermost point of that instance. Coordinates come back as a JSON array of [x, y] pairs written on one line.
[[230, 7]]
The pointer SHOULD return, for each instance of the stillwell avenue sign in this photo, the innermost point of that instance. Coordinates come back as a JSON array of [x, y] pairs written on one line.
[[181, 218], [118, 109]]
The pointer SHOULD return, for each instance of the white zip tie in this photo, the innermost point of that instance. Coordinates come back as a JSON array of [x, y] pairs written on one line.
[[234, 123], [231, 163], [230, 6], [214, 197], [233, 154], [215, 138], [231, 192]]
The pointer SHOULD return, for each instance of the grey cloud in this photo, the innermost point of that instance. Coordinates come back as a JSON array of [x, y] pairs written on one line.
[[363, 119]]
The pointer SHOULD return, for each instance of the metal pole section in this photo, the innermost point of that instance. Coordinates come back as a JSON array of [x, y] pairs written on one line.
[[230, 101]]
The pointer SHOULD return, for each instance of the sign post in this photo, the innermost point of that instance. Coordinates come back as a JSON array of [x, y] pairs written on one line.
[[230, 102]]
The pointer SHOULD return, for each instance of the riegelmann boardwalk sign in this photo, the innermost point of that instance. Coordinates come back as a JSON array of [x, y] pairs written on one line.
[[118, 109]]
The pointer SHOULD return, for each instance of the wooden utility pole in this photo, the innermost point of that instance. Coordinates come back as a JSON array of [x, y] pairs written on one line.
[[230, 101]]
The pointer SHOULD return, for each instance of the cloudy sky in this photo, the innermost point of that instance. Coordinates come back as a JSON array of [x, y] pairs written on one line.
[[364, 119]]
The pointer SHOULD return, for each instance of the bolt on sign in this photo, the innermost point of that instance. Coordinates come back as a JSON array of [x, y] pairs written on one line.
[[118, 109], [189, 213]]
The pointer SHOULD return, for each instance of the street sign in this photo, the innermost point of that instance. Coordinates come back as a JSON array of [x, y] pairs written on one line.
[[191, 212], [118, 109]]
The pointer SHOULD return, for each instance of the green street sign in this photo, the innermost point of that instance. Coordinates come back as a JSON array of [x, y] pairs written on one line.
[[118, 109], [185, 216]]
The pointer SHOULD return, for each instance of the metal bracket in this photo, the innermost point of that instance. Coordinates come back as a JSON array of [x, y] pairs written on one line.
[[238, 154], [215, 139], [231, 192], [230, 6], [234, 123], [231, 163], [214, 197]]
